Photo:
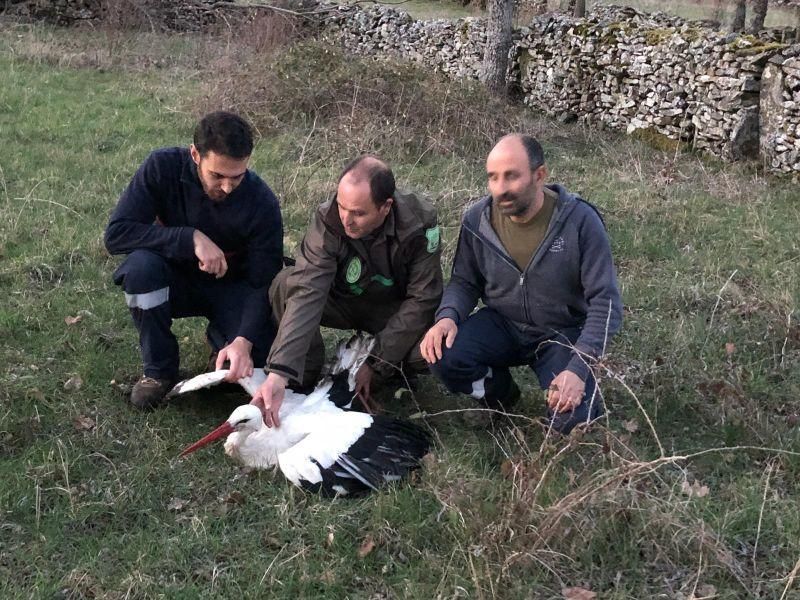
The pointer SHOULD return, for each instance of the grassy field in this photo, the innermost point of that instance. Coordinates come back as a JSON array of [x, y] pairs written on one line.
[[688, 489]]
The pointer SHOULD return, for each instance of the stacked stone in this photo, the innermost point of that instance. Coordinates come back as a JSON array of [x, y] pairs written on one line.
[[633, 71], [451, 47], [780, 112], [60, 12]]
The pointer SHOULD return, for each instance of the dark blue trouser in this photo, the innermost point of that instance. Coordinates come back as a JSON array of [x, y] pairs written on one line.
[[487, 340], [157, 291]]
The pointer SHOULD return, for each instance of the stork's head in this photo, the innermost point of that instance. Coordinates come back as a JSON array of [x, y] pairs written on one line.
[[246, 419]]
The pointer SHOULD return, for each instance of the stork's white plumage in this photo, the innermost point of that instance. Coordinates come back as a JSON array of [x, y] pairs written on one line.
[[319, 446]]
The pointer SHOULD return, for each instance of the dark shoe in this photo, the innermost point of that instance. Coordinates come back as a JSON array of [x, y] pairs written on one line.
[[502, 392], [149, 392]]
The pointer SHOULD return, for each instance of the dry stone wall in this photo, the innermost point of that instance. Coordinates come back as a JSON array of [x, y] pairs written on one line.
[[620, 68], [730, 95], [451, 47], [780, 112], [633, 71]]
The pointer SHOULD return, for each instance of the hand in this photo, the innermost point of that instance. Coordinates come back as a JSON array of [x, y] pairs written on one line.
[[431, 345], [238, 353], [210, 258], [566, 392], [269, 397], [362, 391]]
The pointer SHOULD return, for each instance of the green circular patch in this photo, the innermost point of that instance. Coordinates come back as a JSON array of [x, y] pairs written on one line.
[[353, 272]]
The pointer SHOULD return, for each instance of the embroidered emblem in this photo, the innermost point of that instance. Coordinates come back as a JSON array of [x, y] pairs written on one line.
[[557, 245], [353, 272], [433, 239]]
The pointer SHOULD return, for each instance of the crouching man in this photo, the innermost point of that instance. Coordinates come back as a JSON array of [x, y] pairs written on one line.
[[539, 258], [204, 237], [371, 261]]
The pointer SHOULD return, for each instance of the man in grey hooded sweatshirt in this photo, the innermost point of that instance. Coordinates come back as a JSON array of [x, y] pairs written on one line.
[[540, 260]]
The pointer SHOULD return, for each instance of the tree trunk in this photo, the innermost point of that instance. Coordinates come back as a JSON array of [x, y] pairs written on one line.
[[759, 14], [740, 11], [568, 6], [580, 9], [498, 43]]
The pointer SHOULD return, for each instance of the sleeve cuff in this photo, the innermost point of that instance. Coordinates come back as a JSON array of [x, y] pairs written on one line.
[[187, 242], [579, 366], [447, 313]]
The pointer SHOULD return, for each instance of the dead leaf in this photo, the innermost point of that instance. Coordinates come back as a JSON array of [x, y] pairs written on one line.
[[73, 320], [82, 423], [177, 504], [74, 383], [367, 546], [631, 426], [730, 348], [329, 539], [577, 593], [429, 460], [705, 591], [234, 498], [695, 490], [792, 420]]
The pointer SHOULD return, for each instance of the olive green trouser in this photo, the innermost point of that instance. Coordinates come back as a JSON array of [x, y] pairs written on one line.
[[361, 313]]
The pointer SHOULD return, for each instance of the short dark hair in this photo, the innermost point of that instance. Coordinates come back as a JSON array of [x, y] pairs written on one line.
[[224, 133], [377, 172], [534, 151]]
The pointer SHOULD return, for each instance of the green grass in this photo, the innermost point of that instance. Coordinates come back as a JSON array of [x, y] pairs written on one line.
[[93, 502]]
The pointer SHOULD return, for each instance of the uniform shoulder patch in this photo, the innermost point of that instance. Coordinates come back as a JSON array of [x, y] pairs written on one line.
[[353, 273], [433, 239]]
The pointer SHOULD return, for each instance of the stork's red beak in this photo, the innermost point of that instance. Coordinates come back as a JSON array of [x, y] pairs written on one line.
[[221, 431]]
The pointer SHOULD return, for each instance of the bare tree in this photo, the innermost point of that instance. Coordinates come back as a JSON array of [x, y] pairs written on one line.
[[580, 9], [739, 14], [759, 14], [498, 44]]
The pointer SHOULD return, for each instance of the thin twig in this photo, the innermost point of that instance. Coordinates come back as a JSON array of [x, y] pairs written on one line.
[[761, 517], [714, 312], [791, 577]]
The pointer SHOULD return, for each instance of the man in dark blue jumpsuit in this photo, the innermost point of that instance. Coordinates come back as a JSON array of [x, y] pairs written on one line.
[[204, 237]]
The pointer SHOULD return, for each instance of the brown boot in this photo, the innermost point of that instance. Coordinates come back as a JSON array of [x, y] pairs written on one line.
[[149, 392]]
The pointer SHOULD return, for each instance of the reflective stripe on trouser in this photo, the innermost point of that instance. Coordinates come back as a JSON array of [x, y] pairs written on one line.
[[147, 300]]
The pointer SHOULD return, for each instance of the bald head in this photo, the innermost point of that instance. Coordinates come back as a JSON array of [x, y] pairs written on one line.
[[516, 173], [373, 172], [529, 145], [364, 196]]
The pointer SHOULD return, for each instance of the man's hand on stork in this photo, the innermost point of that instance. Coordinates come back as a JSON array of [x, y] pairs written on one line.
[[238, 354], [269, 397]]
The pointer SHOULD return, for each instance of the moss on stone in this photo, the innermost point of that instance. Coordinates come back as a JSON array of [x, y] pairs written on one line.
[[610, 31], [756, 45], [657, 140], [655, 37], [692, 34]]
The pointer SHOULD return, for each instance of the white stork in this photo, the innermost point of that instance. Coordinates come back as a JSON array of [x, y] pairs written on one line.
[[320, 446]]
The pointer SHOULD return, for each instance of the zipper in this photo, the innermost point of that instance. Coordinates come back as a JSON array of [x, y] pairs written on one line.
[[511, 264]]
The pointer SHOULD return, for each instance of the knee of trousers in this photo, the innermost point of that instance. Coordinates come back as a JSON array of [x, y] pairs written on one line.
[[452, 371], [143, 271], [278, 292]]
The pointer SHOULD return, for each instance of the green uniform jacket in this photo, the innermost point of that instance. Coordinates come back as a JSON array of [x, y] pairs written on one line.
[[401, 267]]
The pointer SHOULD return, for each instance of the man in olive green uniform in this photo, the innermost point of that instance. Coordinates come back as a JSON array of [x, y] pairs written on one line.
[[371, 260]]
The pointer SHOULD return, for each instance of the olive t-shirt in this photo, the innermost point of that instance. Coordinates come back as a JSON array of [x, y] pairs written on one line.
[[521, 240]]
